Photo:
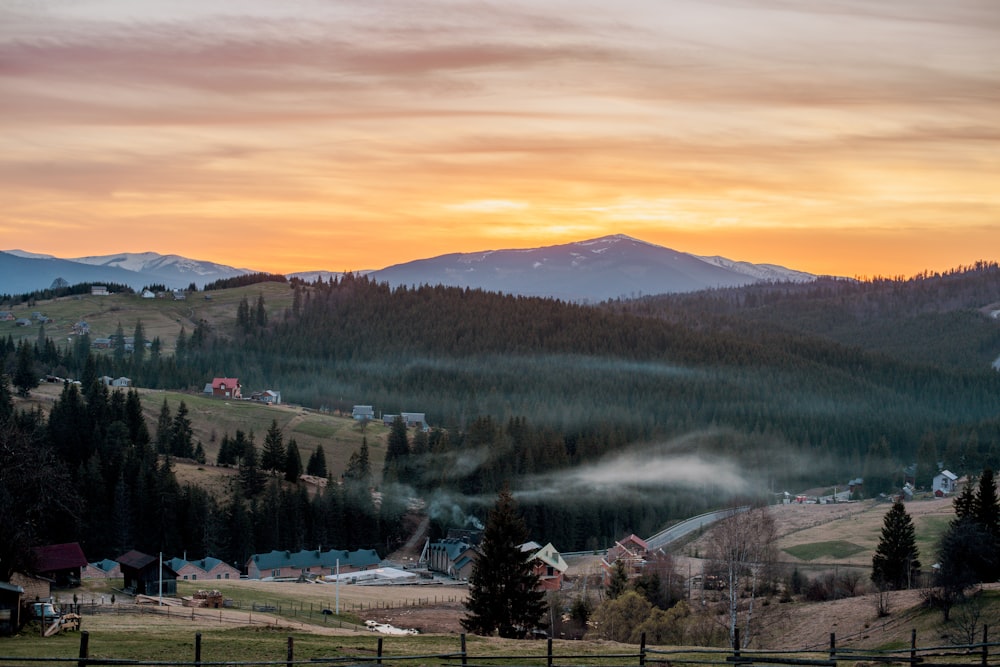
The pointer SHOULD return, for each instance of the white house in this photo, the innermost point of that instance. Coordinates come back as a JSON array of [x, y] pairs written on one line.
[[945, 482]]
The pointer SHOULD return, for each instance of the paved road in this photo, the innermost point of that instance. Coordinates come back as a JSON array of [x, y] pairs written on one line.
[[688, 526]]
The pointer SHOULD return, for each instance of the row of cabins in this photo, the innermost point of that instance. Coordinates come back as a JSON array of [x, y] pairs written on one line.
[[310, 563], [411, 419], [231, 388]]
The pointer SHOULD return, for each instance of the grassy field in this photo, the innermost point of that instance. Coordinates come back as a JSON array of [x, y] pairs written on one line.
[[160, 317], [834, 549]]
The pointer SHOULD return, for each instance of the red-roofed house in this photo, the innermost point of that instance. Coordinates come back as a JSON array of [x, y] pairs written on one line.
[[631, 552], [227, 388], [61, 563]]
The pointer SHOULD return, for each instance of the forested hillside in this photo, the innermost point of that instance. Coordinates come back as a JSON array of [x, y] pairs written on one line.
[[604, 420]]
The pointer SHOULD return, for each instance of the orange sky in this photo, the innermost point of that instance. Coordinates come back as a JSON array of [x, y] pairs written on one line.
[[847, 137]]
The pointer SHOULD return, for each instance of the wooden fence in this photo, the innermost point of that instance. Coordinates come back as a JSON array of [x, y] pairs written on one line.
[[978, 655]]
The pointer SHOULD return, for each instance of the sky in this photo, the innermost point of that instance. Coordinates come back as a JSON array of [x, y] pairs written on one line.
[[855, 138]]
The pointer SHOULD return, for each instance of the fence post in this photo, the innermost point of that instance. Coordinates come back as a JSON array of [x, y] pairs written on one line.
[[465, 656], [197, 649], [833, 646], [290, 657], [736, 646], [642, 650], [548, 653], [913, 647], [986, 650], [379, 660], [84, 648]]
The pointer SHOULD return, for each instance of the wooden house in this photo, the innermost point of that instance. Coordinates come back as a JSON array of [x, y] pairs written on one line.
[[102, 569], [547, 564], [363, 412], [631, 551], [227, 388], [944, 483], [143, 574], [61, 563], [203, 569], [451, 556], [35, 587]]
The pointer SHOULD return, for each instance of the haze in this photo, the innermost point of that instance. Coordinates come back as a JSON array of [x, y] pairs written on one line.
[[843, 137]]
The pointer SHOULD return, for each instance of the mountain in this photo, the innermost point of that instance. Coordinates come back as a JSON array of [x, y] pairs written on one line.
[[22, 272], [590, 271], [586, 271]]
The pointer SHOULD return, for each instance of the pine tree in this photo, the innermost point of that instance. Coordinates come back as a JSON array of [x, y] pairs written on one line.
[[503, 594], [397, 452], [181, 434], [163, 429], [25, 377], [618, 582], [985, 507], [317, 463], [138, 346], [293, 462], [272, 457], [895, 564]]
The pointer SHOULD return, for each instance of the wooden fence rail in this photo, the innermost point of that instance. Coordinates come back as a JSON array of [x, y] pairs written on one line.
[[966, 655]]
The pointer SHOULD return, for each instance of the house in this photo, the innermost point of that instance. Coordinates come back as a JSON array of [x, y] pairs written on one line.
[[268, 396], [99, 290], [148, 294], [22, 322], [6, 316], [630, 551], [287, 565], [363, 412], [227, 388], [202, 569], [102, 569], [144, 575], [35, 587], [945, 482], [62, 563], [81, 328], [414, 419], [101, 343], [10, 608], [451, 556], [121, 382], [106, 380], [547, 564]]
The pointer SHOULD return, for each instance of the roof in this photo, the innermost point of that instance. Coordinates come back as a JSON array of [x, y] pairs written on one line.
[[10, 588], [135, 559], [949, 474], [56, 557], [551, 557], [229, 382], [105, 565], [205, 564], [454, 548], [315, 558], [635, 539]]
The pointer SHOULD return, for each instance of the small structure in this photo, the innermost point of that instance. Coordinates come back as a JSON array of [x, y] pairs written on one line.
[[292, 565], [363, 412], [121, 382], [61, 563], [81, 328], [179, 295], [451, 556], [548, 564], [10, 608], [143, 574], [148, 293], [99, 290], [35, 587], [6, 316], [630, 551], [22, 322], [227, 388], [414, 419], [102, 569], [268, 396], [202, 569], [945, 482]]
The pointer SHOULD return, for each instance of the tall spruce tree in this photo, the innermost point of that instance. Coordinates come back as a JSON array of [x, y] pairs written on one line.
[[317, 463], [503, 593], [272, 457], [293, 462], [896, 563]]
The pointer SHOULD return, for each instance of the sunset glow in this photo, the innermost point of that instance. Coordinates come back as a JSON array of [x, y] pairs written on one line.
[[842, 137]]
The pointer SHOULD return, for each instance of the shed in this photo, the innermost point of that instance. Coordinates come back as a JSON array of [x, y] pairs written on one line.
[[363, 412], [142, 574], [945, 481], [62, 563], [10, 608], [102, 569]]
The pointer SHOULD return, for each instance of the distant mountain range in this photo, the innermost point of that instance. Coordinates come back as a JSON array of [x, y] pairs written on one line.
[[587, 271]]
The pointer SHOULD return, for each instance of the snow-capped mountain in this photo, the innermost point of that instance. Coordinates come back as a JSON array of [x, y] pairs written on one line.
[[596, 270], [590, 271]]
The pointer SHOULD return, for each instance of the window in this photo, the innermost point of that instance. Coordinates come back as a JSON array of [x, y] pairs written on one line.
[[194, 576], [227, 575]]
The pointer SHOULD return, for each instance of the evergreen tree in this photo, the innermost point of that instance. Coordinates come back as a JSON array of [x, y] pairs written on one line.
[[181, 434], [25, 376], [260, 315], [503, 594], [293, 462], [164, 426], [985, 508], [397, 452], [272, 457], [118, 351], [927, 465], [359, 466], [138, 346], [317, 463], [618, 582], [895, 564]]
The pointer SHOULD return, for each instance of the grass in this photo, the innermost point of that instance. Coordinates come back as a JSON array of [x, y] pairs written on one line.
[[835, 549]]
